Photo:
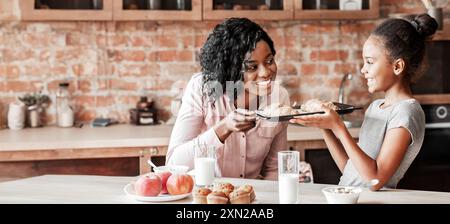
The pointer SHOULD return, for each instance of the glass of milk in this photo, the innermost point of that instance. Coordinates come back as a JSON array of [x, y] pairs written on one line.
[[204, 162], [288, 176]]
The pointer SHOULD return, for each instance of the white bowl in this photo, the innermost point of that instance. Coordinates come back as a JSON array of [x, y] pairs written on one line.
[[173, 169], [342, 195]]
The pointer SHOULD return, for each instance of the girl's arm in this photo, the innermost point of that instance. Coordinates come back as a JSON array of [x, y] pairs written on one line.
[[393, 149], [336, 149]]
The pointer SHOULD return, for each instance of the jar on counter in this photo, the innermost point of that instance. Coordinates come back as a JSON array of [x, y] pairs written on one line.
[[65, 114], [16, 115]]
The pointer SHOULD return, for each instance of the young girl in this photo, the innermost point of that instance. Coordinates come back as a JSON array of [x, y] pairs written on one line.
[[393, 128]]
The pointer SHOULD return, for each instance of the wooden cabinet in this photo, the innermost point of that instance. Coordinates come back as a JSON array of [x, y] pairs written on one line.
[[279, 10], [189, 10], [39, 10], [124, 161], [129, 10], [329, 9]]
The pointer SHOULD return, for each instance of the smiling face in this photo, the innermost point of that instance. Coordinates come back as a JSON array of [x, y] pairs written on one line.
[[260, 70], [377, 69]]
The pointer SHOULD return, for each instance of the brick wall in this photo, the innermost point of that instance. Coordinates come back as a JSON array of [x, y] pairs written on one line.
[[110, 64]]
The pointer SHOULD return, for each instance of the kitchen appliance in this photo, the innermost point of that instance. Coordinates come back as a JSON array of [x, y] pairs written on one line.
[[436, 80], [431, 168], [144, 113]]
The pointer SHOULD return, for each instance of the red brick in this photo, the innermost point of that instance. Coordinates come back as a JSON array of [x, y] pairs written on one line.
[[142, 41], [313, 69], [158, 84], [117, 84], [139, 70], [23, 86], [167, 41], [104, 101], [319, 28], [9, 71], [127, 100], [293, 54], [329, 55], [10, 55], [179, 69], [84, 86], [84, 101], [174, 56]]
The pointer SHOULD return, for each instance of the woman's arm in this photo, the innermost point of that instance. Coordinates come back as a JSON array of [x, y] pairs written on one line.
[[188, 126], [336, 149], [393, 149]]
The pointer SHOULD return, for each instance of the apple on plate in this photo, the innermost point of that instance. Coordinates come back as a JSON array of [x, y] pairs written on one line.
[[148, 185], [180, 184], [164, 175]]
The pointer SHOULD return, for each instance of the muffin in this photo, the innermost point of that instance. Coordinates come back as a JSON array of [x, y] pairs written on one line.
[[248, 188], [217, 197], [226, 188], [200, 194], [240, 197]]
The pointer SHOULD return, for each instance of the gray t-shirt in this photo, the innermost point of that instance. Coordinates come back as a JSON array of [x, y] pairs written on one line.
[[407, 114]]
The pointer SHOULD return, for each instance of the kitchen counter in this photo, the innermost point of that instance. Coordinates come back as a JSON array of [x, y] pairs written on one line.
[[123, 135], [31, 149], [109, 190]]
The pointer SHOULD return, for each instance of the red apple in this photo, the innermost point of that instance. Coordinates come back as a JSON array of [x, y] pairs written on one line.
[[164, 175], [180, 184], [148, 185]]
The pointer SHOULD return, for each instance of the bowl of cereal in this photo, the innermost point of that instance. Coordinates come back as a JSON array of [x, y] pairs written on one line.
[[342, 195]]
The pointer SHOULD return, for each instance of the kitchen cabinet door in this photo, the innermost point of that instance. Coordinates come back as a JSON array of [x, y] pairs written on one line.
[[129, 10], [333, 10], [52, 10], [252, 9]]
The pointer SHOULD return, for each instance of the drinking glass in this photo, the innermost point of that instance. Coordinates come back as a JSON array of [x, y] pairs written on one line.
[[288, 176], [204, 162]]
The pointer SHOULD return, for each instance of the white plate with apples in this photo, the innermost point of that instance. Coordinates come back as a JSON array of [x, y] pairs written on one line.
[[129, 190]]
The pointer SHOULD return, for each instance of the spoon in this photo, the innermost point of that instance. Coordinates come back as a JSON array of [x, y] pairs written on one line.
[[152, 165], [371, 183]]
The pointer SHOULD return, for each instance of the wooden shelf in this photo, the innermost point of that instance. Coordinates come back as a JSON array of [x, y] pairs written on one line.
[[29, 13], [433, 98], [334, 14], [287, 13], [121, 14]]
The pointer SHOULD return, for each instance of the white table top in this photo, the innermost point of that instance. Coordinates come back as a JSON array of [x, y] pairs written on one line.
[[74, 189]]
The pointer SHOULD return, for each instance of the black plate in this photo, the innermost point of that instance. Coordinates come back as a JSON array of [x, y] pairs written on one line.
[[343, 109]]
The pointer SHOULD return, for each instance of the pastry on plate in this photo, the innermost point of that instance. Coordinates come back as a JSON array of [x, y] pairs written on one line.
[[277, 109], [200, 195], [226, 188], [217, 197], [315, 105], [243, 195]]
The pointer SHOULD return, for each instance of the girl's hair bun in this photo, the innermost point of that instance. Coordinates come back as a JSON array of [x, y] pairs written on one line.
[[424, 24]]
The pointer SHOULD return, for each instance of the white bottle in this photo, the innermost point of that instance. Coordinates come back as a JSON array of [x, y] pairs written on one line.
[[16, 116], [65, 115]]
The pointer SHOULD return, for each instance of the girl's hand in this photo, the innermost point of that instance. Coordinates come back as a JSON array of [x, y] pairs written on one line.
[[329, 120]]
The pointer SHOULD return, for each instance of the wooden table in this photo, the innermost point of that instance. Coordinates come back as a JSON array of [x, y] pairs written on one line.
[[109, 190]]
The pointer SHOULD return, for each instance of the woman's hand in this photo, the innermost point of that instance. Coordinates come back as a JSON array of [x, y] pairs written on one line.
[[238, 120], [329, 120]]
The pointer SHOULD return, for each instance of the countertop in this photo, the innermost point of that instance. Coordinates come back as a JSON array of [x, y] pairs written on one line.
[[109, 190], [115, 136]]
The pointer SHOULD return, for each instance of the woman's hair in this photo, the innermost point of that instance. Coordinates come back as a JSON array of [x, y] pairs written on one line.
[[405, 39], [223, 53]]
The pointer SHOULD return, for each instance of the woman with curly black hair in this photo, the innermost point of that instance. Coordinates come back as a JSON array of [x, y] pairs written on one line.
[[237, 78]]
